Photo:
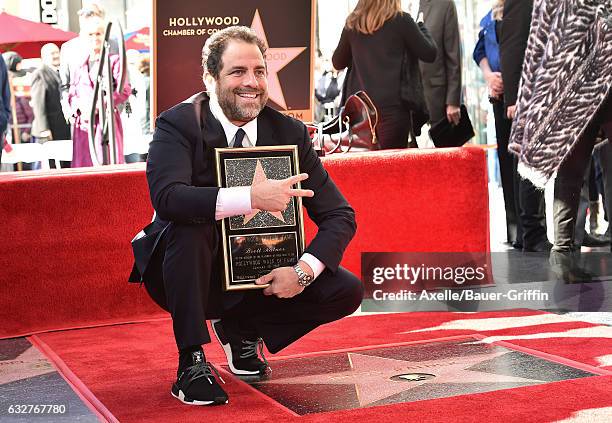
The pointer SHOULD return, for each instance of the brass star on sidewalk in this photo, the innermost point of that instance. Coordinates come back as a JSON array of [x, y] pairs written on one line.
[[371, 375], [258, 177], [276, 59], [29, 363]]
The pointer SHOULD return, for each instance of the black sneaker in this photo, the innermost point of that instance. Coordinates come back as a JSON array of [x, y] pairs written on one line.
[[196, 384], [242, 351]]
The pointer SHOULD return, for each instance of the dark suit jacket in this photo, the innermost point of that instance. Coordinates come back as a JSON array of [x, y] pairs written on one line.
[[375, 60], [182, 180], [46, 104], [5, 101], [442, 78], [512, 45]]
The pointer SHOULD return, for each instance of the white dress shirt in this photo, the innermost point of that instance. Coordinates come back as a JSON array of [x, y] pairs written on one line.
[[236, 201]]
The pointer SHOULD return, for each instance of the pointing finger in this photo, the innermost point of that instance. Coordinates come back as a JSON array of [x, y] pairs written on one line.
[[297, 178], [301, 192]]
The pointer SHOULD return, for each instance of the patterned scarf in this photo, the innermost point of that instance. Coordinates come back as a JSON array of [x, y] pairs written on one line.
[[567, 75]]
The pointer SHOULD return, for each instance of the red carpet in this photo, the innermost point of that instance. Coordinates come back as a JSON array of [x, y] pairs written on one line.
[[66, 255], [129, 369], [66, 250]]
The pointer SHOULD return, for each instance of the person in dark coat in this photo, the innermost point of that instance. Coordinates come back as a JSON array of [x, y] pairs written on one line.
[[23, 111], [49, 122], [5, 102], [442, 78], [372, 44], [516, 24], [486, 56], [564, 103], [178, 255]]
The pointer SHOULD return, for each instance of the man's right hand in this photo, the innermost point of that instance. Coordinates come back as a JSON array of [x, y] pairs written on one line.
[[511, 111], [274, 194], [495, 84]]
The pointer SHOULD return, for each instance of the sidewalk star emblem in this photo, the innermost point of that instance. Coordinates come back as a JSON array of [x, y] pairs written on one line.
[[371, 375]]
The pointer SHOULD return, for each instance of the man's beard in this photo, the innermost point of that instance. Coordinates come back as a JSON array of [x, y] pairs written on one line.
[[240, 112]]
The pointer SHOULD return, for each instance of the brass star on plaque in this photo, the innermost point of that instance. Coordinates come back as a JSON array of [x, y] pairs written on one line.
[[260, 176]]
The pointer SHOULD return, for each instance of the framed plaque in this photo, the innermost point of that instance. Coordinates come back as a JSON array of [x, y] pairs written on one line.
[[181, 27], [256, 243]]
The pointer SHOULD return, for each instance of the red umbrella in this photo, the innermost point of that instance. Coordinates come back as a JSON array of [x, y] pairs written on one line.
[[138, 40], [27, 37]]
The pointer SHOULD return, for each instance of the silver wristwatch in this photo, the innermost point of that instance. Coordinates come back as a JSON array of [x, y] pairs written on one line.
[[304, 279]]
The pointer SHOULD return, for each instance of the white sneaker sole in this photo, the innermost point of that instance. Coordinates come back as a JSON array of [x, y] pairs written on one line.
[[228, 354], [181, 398]]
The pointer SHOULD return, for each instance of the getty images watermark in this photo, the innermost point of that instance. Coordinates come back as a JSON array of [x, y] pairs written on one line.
[[438, 276], [446, 281], [462, 295]]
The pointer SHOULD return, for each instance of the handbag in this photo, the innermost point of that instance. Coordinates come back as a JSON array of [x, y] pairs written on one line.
[[445, 134], [354, 127]]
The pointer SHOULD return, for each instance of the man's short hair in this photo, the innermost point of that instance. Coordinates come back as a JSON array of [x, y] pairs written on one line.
[[217, 43], [90, 10], [93, 23]]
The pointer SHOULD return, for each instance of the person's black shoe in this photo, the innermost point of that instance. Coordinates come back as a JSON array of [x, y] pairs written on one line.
[[196, 384], [566, 266], [590, 240], [242, 350], [541, 247]]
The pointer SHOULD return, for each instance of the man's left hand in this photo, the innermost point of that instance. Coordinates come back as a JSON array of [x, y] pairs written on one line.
[[283, 283], [453, 114]]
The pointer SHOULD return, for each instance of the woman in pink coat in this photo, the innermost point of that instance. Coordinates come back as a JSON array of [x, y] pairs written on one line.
[[80, 94]]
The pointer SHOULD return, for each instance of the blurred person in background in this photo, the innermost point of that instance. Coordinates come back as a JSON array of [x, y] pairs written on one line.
[[73, 52], [442, 77], [144, 67], [23, 111], [328, 85], [372, 45], [137, 130], [49, 122], [5, 103], [80, 96], [486, 56], [516, 24]]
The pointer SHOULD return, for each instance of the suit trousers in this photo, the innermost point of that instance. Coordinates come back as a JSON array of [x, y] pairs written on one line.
[[507, 169], [604, 155], [193, 293], [583, 205], [435, 98]]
